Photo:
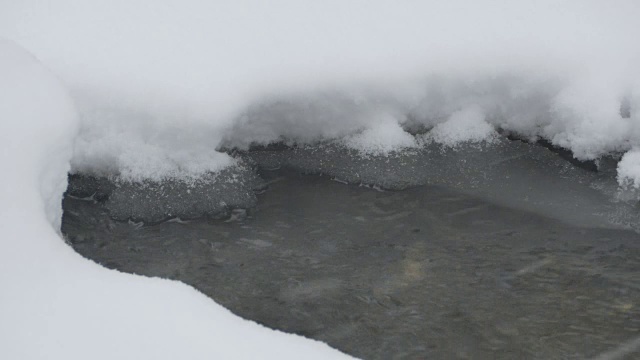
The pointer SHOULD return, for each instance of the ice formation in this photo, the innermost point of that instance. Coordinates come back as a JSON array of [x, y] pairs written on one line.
[[54, 304]]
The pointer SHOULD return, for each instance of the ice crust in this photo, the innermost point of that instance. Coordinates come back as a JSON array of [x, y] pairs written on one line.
[[213, 194], [512, 173], [54, 304]]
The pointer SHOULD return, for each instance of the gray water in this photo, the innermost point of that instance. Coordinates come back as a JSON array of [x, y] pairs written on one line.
[[426, 272]]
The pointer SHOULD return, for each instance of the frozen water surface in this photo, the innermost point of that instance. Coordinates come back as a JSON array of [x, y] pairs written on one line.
[[499, 251], [153, 201]]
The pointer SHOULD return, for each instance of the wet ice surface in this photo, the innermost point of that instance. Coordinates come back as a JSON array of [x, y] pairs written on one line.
[[213, 194], [511, 173], [426, 272]]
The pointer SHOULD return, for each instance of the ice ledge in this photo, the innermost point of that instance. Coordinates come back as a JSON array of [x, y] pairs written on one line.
[[152, 201]]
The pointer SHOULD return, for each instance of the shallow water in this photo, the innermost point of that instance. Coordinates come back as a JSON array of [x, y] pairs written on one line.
[[425, 272]]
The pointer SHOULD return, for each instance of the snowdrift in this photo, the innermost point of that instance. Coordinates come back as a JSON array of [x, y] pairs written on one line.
[[162, 86]]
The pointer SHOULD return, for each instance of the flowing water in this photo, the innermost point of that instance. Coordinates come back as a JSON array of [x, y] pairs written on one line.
[[423, 273]]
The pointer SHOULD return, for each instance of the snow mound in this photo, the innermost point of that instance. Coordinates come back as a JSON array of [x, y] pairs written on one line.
[[56, 305], [467, 125], [629, 170], [382, 137], [136, 149]]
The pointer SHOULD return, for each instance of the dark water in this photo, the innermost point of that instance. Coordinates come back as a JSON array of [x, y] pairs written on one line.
[[421, 273]]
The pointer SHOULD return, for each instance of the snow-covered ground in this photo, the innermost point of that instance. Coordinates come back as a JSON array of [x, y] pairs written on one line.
[[161, 86], [54, 304]]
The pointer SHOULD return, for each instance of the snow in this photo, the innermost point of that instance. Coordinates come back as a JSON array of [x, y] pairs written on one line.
[[466, 125], [135, 153], [383, 136], [54, 304], [162, 86], [629, 169]]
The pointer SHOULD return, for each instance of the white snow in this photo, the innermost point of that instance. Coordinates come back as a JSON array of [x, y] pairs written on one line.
[[467, 125], [629, 169], [141, 149], [161, 85], [383, 135], [54, 304]]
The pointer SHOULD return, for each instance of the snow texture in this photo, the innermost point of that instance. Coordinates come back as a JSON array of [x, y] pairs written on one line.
[[382, 136], [54, 304], [161, 86], [467, 125], [629, 169]]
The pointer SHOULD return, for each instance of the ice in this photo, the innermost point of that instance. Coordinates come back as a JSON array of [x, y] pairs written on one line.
[[54, 303], [509, 172], [214, 194]]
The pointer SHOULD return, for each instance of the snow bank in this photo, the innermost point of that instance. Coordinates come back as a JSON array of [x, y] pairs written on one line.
[[161, 85], [56, 305]]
